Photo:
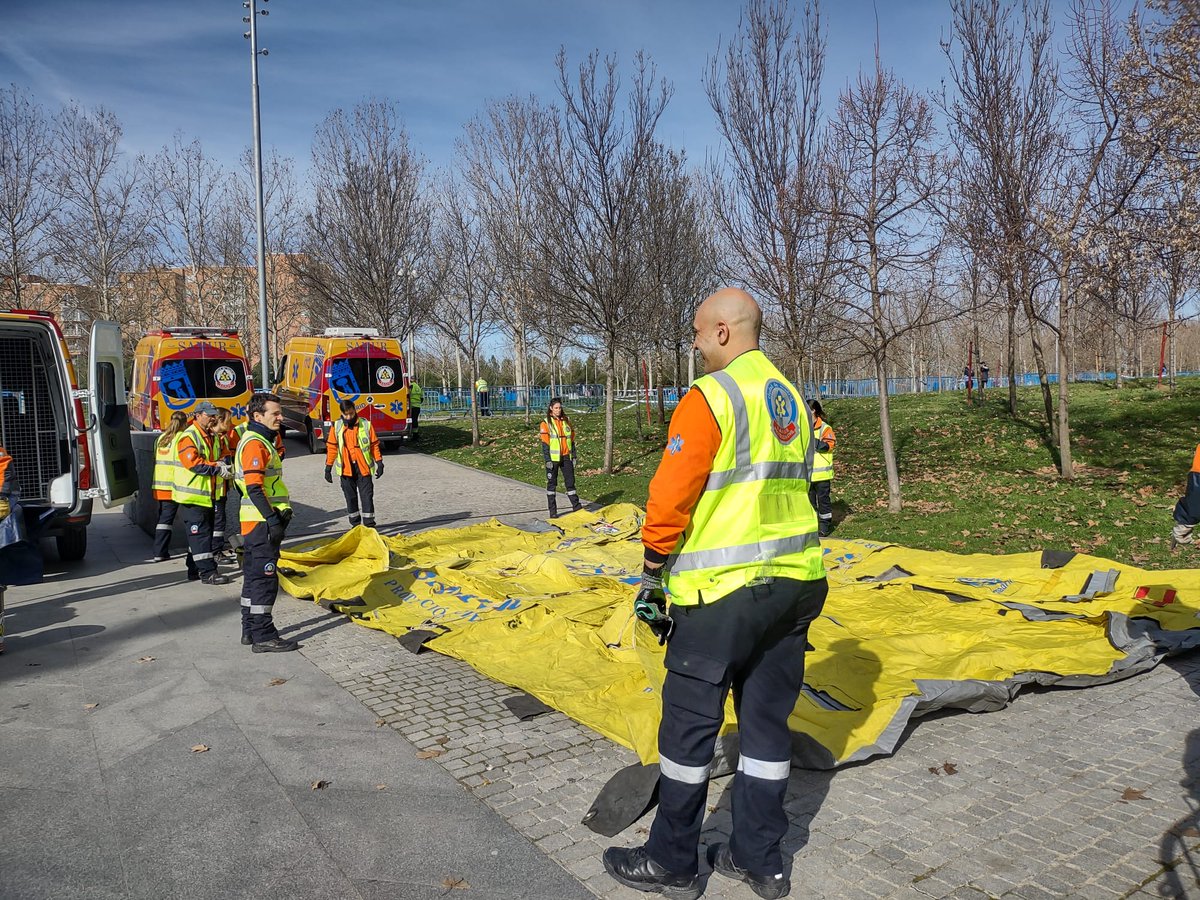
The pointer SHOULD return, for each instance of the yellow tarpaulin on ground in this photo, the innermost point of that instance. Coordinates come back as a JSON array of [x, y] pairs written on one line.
[[903, 632]]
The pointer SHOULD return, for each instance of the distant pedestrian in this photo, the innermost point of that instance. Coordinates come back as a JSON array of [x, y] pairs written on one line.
[[481, 390], [558, 452], [822, 474], [968, 377], [164, 483], [415, 395], [983, 375], [352, 453]]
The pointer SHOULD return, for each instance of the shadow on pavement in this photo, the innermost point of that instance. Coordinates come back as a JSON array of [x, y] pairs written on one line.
[[1179, 848]]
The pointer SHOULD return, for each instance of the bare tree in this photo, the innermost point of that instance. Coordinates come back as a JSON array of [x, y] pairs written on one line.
[[890, 176], [194, 217], [1003, 125], [500, 159], [102, 225], [592, 169], [28, 193], [766, 91], [283, 220], [469, 283], [369, 227]]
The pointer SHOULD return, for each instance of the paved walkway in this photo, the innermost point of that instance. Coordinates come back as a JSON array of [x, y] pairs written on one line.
[[1067, 793]]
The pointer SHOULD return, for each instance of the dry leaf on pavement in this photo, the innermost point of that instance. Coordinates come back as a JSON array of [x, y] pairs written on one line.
[[1133, 794], [200, 748], [429, 754], [90, 705], [320, 784], [451, 883], [147, 659], [379, 723], [275, 682], [381, 787]]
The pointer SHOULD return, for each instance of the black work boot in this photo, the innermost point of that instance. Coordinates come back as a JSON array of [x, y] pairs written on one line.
[[246, 639], [275, 645], [214, 578], [770, 887], [553, 510], [634, 868]]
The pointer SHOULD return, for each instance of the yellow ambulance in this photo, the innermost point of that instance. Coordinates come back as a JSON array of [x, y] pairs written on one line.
[[176, 368], [316, 373]]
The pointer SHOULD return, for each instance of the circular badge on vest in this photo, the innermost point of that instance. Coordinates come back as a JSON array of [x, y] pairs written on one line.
[[224, 378], [784, 411], [385, 376], [269, 568]]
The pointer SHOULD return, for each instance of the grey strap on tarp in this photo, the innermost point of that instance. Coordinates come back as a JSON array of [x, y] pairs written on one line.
[[624, 799], [1056, 559], [526, 706], [414, 641], [1099, 582]]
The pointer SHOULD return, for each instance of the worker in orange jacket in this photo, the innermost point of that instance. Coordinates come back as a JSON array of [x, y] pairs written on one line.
[[352, 452], [1187, 510]]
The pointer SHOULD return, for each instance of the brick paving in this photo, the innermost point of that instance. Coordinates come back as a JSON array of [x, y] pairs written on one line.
[[1078, 793]]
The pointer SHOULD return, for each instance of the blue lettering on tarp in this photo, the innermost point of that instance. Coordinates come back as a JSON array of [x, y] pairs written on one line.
[[998, 585], [429, 577], [176, 387], [342, 381]]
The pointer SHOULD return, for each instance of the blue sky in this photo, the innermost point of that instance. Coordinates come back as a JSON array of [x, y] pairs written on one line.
[[171, 65]]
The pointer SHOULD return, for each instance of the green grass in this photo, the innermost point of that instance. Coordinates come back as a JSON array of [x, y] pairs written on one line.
[[974, 480]]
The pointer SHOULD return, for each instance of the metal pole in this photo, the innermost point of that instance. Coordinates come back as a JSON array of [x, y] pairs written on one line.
[[264, 351]]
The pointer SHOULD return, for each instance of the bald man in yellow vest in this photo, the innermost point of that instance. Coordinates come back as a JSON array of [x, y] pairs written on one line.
[[730, 539]]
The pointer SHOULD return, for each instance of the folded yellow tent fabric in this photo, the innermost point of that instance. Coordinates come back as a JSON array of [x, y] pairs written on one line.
[[903, 632]]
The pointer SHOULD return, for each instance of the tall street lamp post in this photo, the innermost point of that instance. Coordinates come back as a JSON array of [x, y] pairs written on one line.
[[252, 36]]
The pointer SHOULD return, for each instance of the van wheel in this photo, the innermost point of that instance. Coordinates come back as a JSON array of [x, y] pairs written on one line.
[[312, 441], [72, 544]]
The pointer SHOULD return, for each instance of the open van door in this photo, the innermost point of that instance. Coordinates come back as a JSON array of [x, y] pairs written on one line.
[[113, 461]]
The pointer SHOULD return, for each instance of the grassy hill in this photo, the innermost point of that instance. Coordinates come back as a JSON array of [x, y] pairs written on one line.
[[974, 480]]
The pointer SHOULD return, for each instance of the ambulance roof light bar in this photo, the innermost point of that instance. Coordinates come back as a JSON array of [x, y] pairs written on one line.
[[198, 331], [351, 332]]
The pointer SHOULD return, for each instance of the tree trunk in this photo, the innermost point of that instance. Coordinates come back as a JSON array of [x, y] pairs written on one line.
[[895, 503], [662, 404], [1066, 466], [1039, 360], [1011, 349], [610, 382], [1116, 349], [474, 401]]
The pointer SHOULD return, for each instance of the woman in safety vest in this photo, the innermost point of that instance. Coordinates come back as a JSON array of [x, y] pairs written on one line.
[[225, 441], [558, 452], [164, 481], [822, 475]]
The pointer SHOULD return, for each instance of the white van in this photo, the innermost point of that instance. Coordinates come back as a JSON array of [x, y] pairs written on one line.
[[68, 446]]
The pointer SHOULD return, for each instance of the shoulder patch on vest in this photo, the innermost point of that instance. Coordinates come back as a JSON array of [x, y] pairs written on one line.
[[784, 411]]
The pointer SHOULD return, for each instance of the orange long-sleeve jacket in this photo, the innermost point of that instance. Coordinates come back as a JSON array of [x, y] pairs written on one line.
[[692, 444], [352, 457]]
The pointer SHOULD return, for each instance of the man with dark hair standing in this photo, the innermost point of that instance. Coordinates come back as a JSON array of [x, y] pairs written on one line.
[[352, 453], [731, 537], [196, 472], [265, 513]]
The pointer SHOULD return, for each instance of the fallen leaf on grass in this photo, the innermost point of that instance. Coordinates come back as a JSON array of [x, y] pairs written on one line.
[[275, 682], [455, 884], [200, 748], [320, 784], [147, 659], [1133, 794], [429, 754], [90, 705]]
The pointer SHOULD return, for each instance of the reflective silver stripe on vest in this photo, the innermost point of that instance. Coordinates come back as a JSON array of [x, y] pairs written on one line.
[[686, 774], [760, 768], [821, 470], [763, 471], [741, 419], [744, 554], [196, 492]]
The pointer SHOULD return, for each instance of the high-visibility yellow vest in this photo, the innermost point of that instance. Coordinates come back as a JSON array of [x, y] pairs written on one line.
[[753, 520], [273, 486], [481, 385], [562, 440], [191, 488], [364, 444], [415, 394], [164, 465], [822, 462]]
